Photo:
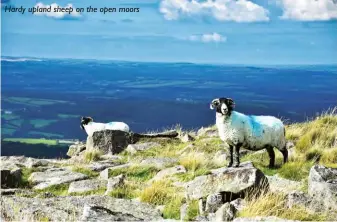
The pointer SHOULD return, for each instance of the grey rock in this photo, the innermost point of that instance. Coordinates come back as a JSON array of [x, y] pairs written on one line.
[[183, 211], [322, 186], [72, 208], [105, 173], [201, 218], [239, 204], [186, 138], [11, 178], [225, 213], [213, 202], [278, 184], [134, 148], [168, 172], [232, 182], [11, 162], [76, 149], [114, 182], [159, 162], [258, 219], [102, 165], [54, 176], [207, 132], [86, 185], [299, 198], [109, 141], [32, 163]]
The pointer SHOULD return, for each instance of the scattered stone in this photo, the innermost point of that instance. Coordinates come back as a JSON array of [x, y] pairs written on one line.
[[225, 213], [134, 148], [159, 162], [105, 173], [109, 141], [54, 176], [258, 219], [213, 202], [168, 172], [114, 182], [278, 184], [207, 132], [76, 149], [322, 186], [186, 138], [183, 211], [70, 208], [86, 185], [232, 182], [10, 178]]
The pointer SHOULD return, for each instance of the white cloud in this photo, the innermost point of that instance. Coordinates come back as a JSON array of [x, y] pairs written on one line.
[[213, 37], [58, 14], [309, 10], [222, 10]]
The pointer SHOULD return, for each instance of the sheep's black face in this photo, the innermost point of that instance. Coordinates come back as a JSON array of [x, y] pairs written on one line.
[[223, 106], [85, 121]]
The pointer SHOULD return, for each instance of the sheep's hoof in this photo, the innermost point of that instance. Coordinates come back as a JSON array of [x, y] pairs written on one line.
[[230, 165], [237, 165]]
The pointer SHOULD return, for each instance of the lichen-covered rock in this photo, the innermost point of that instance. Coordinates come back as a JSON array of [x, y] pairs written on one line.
[[233, 182], [54, 176], [207, 132], [159, 162], [322, 185], [225, 213], [134, 148], [76, 149], [109, 141], [213, 202], [114, 183], [186, 138], [105, 173], [278, 184], [70, 208], [82, 186], [299, 198], [168, 172], [103, 164], [239, 204], [10, 178]]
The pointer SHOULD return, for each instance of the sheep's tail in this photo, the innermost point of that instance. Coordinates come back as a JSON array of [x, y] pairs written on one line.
[[168, 134]]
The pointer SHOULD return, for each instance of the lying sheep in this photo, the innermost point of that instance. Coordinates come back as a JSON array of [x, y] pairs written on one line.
[[88, 124], [250, 132]]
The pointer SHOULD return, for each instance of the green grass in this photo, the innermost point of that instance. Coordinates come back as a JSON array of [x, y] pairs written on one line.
[[192, 210], [86, 171], [140, 173], [32, 141], [295, 170], [172, 208], [92, 155], [128, 190], [58, 190], [26, 172]]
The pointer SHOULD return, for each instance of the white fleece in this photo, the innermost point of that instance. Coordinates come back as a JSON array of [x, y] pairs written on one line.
[[92, 127], [253, 132]]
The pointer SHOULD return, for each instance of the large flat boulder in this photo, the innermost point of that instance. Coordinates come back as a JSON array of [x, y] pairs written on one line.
[[235, 182], [322, 185], [54, 176], [72, 208], [109, 141]]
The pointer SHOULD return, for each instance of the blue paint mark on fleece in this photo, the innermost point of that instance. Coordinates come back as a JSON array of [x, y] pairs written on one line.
[[111, 123], [257, 128]]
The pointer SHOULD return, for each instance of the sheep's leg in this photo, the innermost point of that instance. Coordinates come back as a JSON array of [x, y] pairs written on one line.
[[230, 156], [271, 153], [285, 155], [237, 155]]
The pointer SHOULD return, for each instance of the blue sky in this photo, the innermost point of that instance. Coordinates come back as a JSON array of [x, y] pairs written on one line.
[[200, 31]]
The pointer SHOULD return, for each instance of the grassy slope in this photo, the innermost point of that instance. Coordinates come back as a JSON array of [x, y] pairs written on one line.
[[315, 142], [32, 141]]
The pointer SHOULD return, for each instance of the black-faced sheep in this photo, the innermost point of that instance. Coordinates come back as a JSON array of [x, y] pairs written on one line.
[[250, 132], [88, 124]]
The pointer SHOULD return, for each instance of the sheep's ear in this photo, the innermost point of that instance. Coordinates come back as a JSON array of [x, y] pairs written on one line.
[[90, 119], [230, 102]]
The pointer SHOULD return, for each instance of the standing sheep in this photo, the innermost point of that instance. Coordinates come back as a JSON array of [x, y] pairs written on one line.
[[88, 124], [250, 132]]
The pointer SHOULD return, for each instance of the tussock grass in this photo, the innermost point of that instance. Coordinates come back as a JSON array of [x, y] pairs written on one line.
[[192, 210], [141, 173], [92, 155], [271, 204], [128, 190], [58, 190], [172, 208], [86, 171], [26, 172], [159, 193]]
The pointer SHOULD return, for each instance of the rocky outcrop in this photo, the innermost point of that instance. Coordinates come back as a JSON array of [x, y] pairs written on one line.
[[86, 186], [114, 183], [73, 208], [230, 182], [278, 184], [54, 176], [168, 172], [322, 185], [10, 178], [76, 149], [207, 132], [109, 141]]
